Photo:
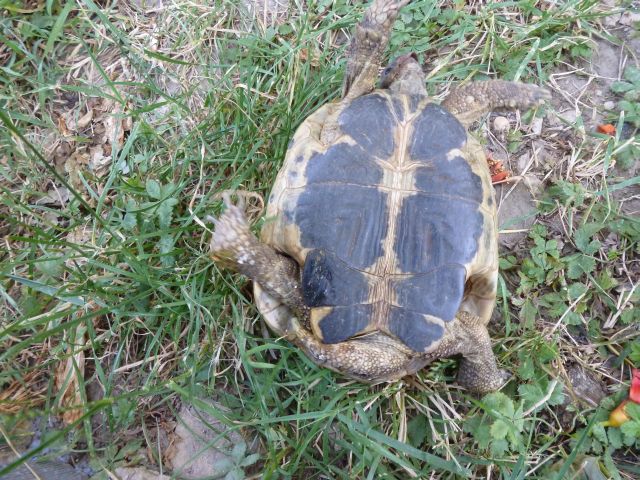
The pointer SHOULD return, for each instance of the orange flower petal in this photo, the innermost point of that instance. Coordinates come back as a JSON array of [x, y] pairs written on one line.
[[618, 416], [498, 177], [634, 393], [607, 129]]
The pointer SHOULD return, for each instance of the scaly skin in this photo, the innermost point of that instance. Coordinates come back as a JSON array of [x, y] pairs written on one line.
[[365, 53], [469, 102], [234, 246]]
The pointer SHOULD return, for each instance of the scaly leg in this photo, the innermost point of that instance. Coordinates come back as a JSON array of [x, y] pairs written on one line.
[[234, 246], [478, 370], [372, 358], [368, 45], [469, 102]]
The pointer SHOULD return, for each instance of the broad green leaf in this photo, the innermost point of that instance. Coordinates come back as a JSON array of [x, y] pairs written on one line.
[[633, 75], [575, 290], [631, 429], [238, 451], [615, 437], [416, 430], [250, 460], [599, 432], [165, 212], [633, 410], [579, 264], [499, 447], [528, 314], [499, 429], [621, 87], [153, 189], [583, 238]]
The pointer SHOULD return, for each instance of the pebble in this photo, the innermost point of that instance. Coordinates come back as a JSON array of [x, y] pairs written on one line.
[[609, 105], [501, 124], [536, 126]]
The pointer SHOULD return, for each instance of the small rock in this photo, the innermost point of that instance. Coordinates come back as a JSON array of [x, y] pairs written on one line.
[[570, 116], [609, 105], [516, 214], [522, 163], [536, 126], [45, 469], [501, 124], [605, 61], [202, 445], [55, 197], [629, 18], [533, 183], [586, 388]]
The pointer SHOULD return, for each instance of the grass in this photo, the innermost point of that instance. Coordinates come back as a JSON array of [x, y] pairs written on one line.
[[113, 314]]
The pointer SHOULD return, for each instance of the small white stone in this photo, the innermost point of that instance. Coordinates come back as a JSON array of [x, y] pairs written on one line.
[[501, 124], [609, 105], [536, 126]]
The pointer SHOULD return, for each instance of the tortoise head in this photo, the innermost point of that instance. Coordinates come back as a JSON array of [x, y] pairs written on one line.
[[404, 75]]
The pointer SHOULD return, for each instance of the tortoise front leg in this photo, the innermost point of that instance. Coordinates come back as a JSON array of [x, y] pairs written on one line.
[[469, 102], [368, 45], [234, 246]]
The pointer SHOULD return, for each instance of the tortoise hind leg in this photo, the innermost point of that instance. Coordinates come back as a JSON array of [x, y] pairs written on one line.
[[480, 295], [469, 102], [234, 246], [372, 358], [478, 370], [368, 45]]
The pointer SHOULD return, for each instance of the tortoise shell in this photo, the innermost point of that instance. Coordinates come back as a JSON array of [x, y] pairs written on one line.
[[387, 206]]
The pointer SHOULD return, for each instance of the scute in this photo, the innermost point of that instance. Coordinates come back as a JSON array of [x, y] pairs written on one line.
[[437, 293], [452, 179], [435, 231], [368, 120], [349, 220], [343, 163], [415, 331], [328, 281], [436, 133], [344, 322]]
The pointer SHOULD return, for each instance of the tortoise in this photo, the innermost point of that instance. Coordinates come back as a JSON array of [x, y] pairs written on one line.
[[379, 250]]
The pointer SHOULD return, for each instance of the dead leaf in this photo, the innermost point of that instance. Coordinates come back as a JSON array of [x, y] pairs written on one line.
[[499, 177], [98, 161], [104, 127], [83, 236], [55, 197], [20, 395], [68, 374], [84, 120], [76, 123], [62, 127], [115, 126]]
